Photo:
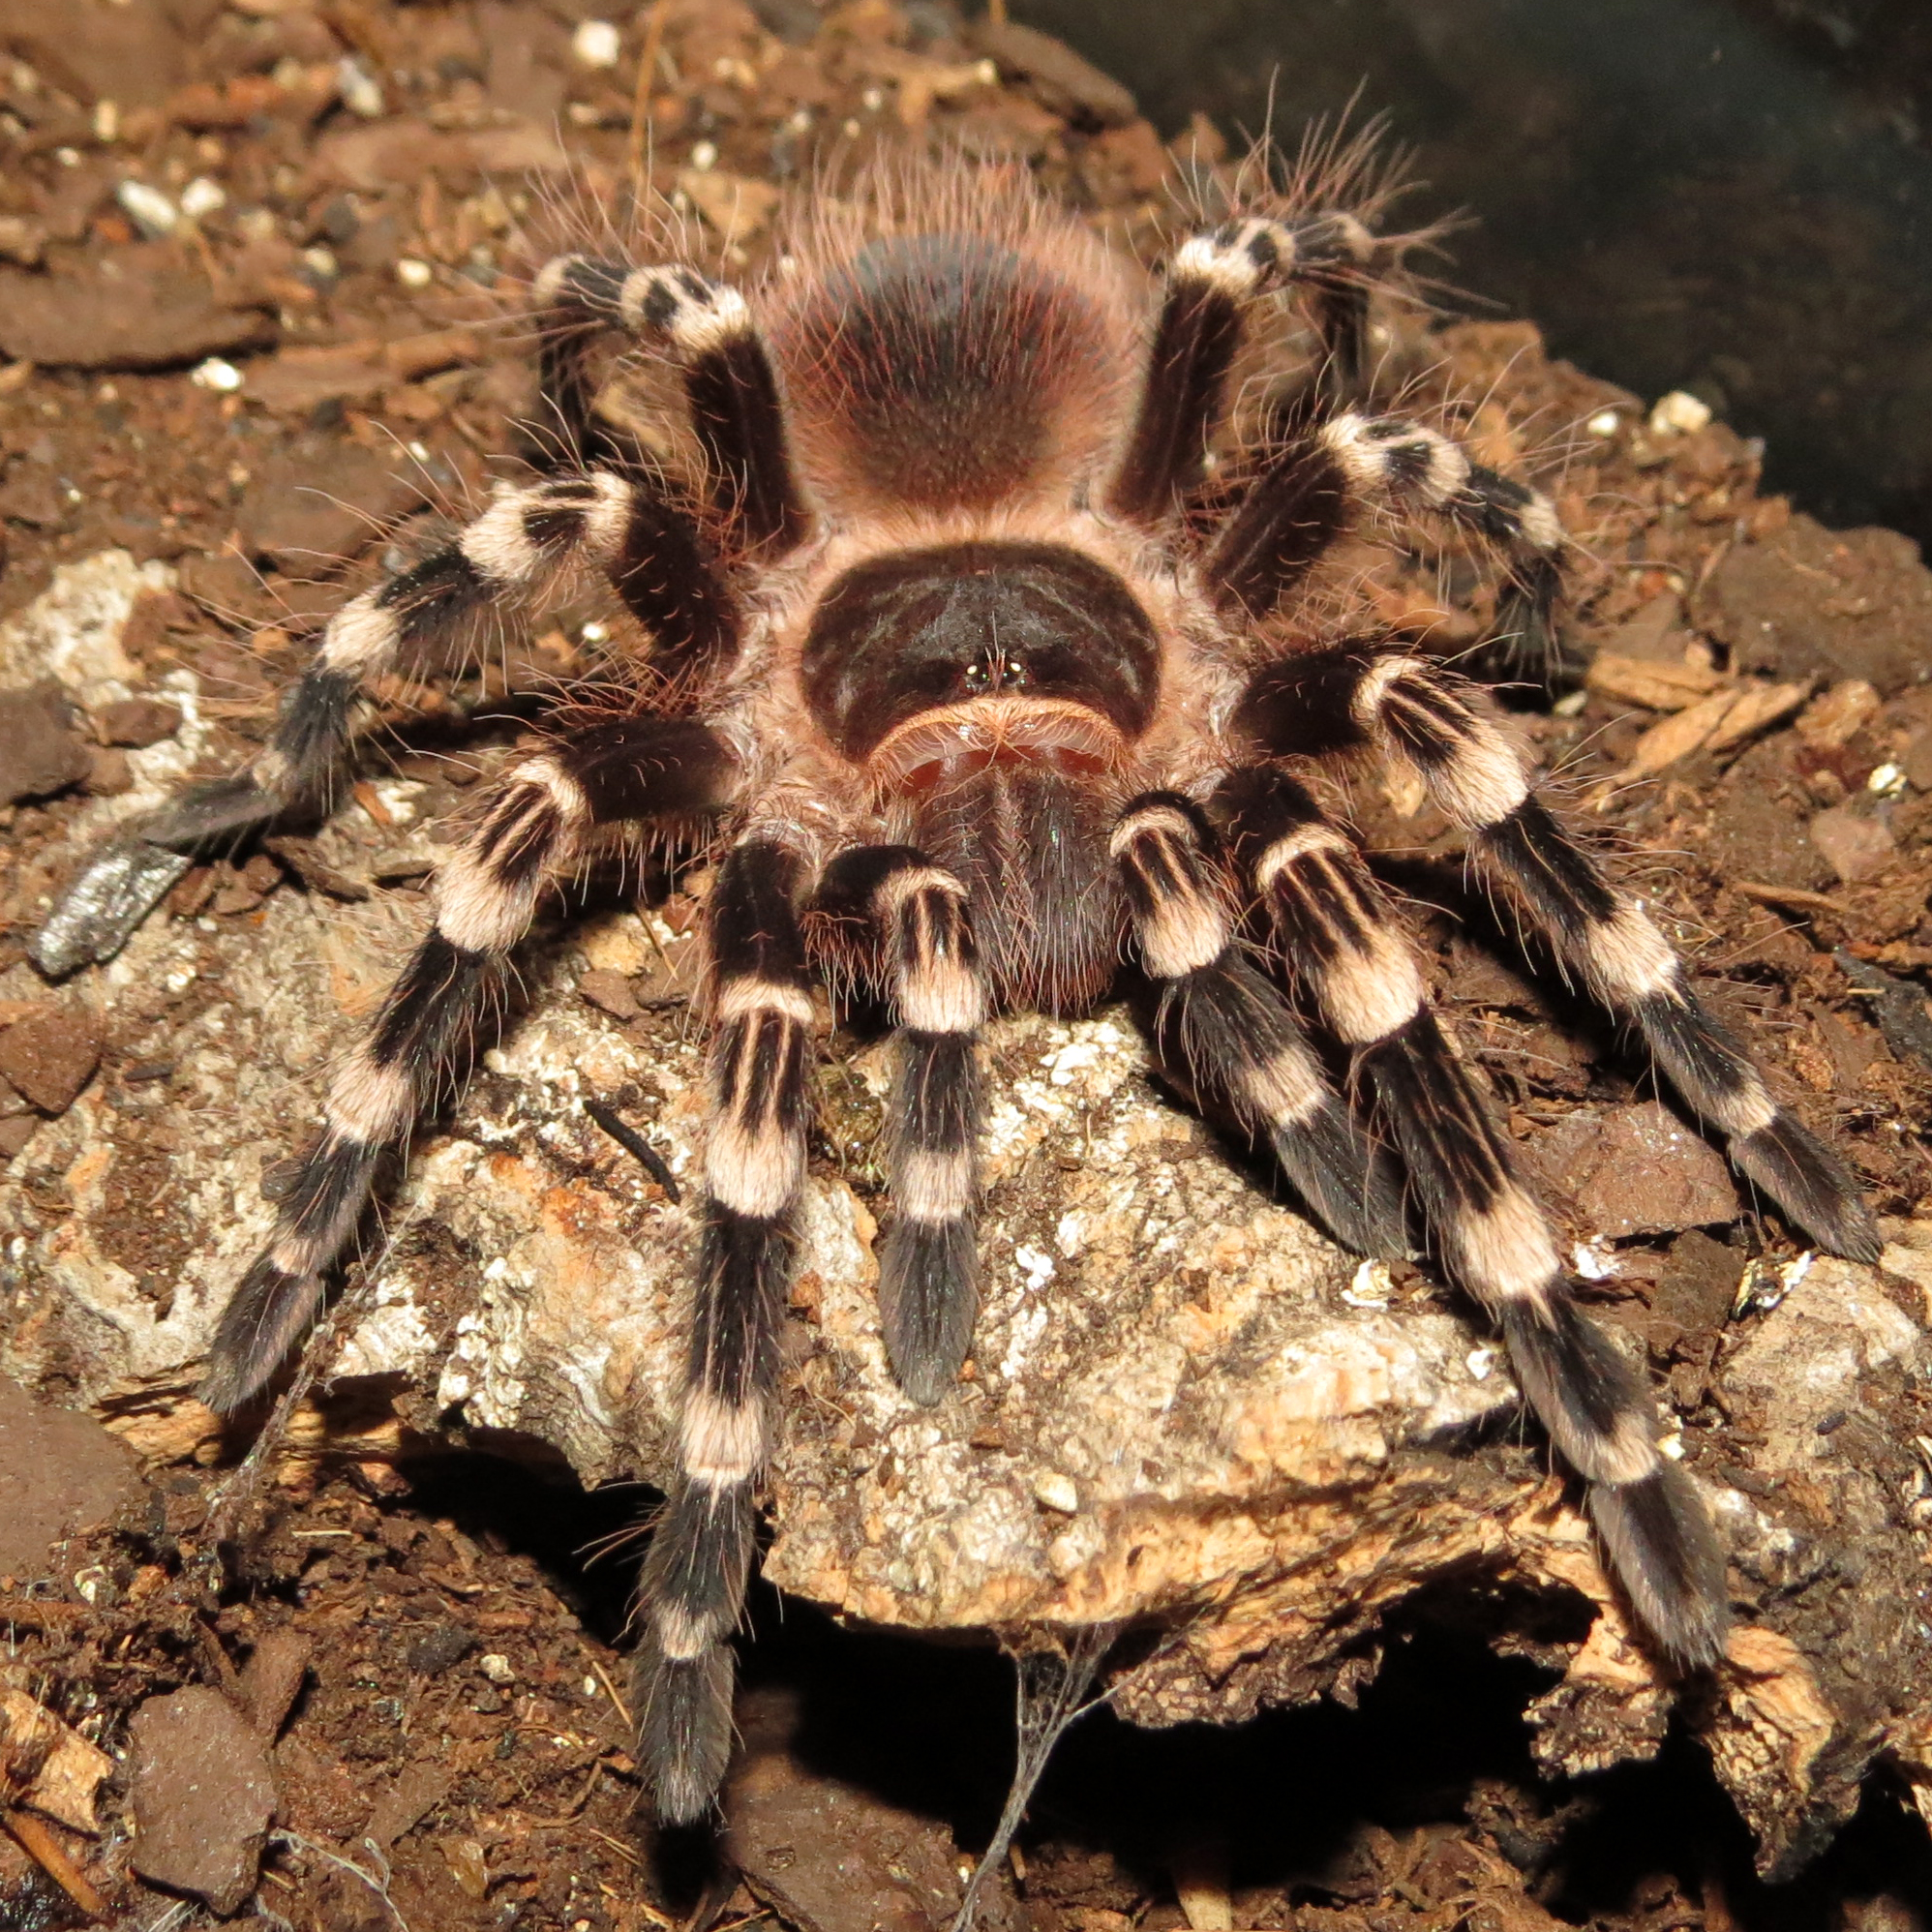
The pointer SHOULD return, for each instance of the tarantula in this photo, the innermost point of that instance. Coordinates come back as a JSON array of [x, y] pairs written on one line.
[[975, 667]]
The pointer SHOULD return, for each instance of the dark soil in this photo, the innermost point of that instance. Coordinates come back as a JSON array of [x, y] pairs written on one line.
[[424, 1662]]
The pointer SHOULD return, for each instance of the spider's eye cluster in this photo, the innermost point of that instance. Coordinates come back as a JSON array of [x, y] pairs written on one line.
[[996, 672]]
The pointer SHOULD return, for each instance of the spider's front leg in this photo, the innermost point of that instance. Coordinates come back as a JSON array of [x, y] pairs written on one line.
[[694, 1579], [1338, 933], [1231, 1029], [517, 549], [486, 894]]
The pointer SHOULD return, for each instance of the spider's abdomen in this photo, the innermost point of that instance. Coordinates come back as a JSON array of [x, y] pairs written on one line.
[[944, 372]]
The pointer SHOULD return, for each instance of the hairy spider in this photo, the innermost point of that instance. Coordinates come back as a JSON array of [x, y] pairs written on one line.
[[975, 668]]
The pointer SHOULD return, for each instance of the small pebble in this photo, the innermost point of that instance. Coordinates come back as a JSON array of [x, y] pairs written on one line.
[[148, 208], [705, 156], [360, 94], [1604, 423], [203, 197], [498, 1668], [1056, 1491], [1680, 414], [219, 375], [596, 43], [413, 273], [137, 722]]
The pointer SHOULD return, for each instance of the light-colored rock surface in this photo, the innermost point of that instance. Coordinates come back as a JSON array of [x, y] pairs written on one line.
[[1185, 1408]]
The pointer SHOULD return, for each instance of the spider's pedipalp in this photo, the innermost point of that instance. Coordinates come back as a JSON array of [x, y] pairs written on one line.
[[486, 894], [706, 326], [693, 1582], [1316, 481], [929, 966], [1231, 1030], [1212, 279]]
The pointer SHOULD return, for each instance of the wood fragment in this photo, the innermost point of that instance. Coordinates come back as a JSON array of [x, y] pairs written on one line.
[[1656, 686]]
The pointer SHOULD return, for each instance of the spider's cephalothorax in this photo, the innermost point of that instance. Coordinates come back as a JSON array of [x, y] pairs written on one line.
[[972, 694]]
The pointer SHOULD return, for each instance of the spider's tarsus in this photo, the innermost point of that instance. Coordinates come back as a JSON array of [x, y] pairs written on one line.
[[258, 1328], [927, 1300], [1665, 1551], [1347, 1182], [1812, 1185], [684, 1728]]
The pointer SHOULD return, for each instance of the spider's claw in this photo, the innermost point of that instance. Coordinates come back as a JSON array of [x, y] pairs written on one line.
[[97, 913], [1811, 1185], [259, 1329], [1348, 1184], [927, 1299], [1666, 1553]]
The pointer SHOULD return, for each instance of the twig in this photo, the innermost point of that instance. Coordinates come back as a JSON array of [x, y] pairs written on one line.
[[41, 1845], [640, 106], [635, 1145]]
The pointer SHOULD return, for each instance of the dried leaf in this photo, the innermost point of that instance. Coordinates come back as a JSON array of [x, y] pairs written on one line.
[[737, 207], [1714, 724], [1836, 716]]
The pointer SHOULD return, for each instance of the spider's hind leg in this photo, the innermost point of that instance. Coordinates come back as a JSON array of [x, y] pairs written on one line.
[[733, 396], [1212, 281]]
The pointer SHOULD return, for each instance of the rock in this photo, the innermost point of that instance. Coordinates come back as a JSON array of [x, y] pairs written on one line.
[[611, 993], [203, 1794], [137, 722], [321, 500], [72, 631], [368, 159], [1258, 1469], [152, 315], [1758, 833], [1810, 602], [273, 1677], [59, 1472], [38, 752], [1634, 1170], [827, 1857], [49, 1053], [1854, 844]]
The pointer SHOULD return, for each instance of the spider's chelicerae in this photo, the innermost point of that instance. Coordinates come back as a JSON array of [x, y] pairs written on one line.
[[975, 671]]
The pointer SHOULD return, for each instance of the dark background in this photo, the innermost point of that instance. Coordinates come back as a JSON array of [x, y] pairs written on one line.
[[1731, 196]]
